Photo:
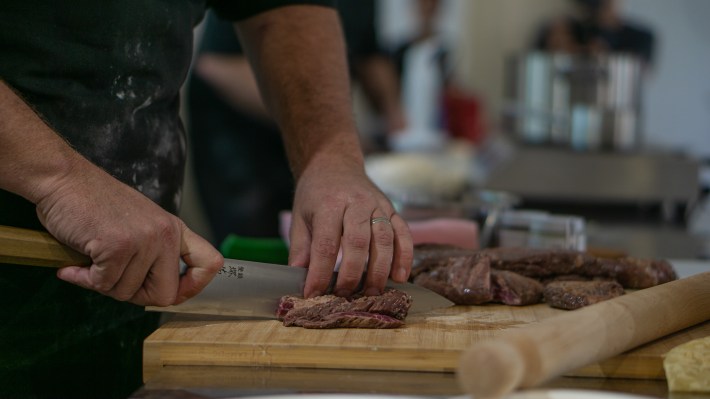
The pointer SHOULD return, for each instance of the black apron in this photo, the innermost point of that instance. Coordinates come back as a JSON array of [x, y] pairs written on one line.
[[105, 75]]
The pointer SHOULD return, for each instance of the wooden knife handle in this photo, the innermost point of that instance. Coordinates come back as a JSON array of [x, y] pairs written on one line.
[[525, 357], [36, 248]]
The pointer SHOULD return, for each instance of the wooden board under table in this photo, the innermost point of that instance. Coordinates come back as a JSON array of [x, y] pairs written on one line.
[[428, 342]]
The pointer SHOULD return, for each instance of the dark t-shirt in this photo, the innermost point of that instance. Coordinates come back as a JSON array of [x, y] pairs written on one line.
[[629, 38], [105, 75]]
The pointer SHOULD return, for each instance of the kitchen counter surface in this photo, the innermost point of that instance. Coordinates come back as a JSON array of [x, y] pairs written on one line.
[[199, 382], [210, 382]]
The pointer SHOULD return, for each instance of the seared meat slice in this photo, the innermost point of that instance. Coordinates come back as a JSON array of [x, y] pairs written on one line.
[[515, 276], [427, 256], [543, 263], [637, 273], [345, 320], [329, 311], [512, 288], [539, 263], [465, 280], [576, 294]]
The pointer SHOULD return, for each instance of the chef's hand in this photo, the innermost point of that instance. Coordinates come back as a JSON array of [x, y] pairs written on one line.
[[134, 244], [335, 205]]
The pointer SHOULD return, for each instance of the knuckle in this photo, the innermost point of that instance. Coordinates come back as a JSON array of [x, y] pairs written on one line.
[[121, 242], [384, 239], [332, 201], [326, 248], [166, 231], [357, 243], [349, 280], [360, 197], [380, 273]]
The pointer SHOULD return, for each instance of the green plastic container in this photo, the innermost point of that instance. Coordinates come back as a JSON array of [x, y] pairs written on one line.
[[267, 250]]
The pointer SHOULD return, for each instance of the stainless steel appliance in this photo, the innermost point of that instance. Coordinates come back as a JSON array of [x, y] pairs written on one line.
[[583, 102]]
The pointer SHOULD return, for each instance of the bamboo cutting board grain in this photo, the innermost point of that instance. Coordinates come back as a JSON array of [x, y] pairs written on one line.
[[428, 342]]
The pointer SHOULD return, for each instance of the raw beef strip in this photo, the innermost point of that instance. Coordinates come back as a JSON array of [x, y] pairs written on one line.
[[465, 280], [329, 311], [512, 288], [576, 294]]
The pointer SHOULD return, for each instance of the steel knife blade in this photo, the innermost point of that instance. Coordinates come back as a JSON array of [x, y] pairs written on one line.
[[253, 289], [241, 288]]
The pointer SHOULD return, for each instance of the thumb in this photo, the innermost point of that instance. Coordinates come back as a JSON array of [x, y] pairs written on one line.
[[203, 261]]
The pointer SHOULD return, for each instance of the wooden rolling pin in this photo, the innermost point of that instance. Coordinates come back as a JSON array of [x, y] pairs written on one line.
[[36, 248], [528, 356]]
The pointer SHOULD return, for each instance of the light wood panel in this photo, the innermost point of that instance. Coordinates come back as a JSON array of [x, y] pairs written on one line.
[[429, 342]]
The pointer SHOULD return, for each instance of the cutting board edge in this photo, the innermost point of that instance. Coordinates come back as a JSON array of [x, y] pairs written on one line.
[[160, 354], [626, 366]]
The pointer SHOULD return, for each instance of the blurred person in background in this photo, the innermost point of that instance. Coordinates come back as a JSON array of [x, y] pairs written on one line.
[[599, 28], [438, 107]]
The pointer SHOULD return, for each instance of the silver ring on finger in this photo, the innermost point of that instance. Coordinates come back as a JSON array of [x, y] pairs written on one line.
[[380, 219]]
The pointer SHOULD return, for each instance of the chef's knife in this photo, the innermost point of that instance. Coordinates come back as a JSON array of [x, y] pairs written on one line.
[[240, 288], [253, 289]]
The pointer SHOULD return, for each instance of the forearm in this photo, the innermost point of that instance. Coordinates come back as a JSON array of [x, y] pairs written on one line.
[[32, 156], [299, 55]]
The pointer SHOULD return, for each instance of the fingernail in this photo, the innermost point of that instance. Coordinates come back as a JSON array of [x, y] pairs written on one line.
[[372, 291]]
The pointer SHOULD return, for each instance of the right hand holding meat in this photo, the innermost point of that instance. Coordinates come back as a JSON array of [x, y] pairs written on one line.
[[134, 244]]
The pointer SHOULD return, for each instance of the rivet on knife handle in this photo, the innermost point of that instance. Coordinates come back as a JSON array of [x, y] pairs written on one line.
[[36, 248]]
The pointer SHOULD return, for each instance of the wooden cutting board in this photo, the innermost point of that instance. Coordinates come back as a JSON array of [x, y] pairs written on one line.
[[428, 342]]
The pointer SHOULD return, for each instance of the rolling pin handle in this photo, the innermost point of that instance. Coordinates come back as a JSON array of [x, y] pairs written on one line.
[[491, 370]]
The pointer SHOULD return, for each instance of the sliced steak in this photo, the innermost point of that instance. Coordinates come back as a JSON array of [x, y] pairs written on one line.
[[539, 263], [637, 273], [514, 276], [576, 294], [511, 288], [543, 264], [328, 311], [346, 320], [427, 256], [465, 280]]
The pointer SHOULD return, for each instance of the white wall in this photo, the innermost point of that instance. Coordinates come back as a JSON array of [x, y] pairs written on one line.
[[677, 102]]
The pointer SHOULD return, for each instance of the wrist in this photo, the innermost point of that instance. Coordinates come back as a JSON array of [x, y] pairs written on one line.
[[340, 153]]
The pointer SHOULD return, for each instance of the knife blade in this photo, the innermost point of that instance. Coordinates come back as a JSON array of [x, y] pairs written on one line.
[[241, 288], [253, 289]]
